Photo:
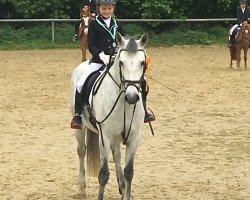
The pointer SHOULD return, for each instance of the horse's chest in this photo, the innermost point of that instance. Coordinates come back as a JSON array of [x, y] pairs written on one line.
[[85, 21]]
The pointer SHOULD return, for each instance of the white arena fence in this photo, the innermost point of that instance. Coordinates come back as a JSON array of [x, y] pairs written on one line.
[[53, 21]]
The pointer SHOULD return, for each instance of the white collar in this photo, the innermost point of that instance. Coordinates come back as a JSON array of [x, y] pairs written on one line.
[[107, 21]]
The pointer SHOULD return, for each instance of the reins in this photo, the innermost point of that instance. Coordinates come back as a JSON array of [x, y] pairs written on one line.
[[124, 137]]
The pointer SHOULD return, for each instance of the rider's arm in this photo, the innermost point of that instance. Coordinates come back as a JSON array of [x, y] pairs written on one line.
[[92, 39]]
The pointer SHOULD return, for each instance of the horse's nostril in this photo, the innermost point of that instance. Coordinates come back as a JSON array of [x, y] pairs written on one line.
[[132, 99], [137, 98]]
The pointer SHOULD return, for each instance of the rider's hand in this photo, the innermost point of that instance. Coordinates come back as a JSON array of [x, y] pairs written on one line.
[[104, 58]]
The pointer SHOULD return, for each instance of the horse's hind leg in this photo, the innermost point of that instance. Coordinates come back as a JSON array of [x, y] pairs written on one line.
[[238, 57], [81, 151], [231, 56], [117, 159]]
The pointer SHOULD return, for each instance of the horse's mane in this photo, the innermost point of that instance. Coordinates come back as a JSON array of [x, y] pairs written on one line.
[[244, 27], [132, 45]]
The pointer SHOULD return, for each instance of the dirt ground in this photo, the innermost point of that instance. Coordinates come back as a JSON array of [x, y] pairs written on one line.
[[201, 147]]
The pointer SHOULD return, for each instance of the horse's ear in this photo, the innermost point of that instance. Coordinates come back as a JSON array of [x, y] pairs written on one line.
[[143, 40], [120, 40]]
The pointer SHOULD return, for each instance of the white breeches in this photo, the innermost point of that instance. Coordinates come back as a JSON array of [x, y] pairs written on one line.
[[232, 29], [90, 68]]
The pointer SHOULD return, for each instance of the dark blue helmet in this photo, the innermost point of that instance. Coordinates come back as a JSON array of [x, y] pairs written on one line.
[[243, 1], [106, 2]]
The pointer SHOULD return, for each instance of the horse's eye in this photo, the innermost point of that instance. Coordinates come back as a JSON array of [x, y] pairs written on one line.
[[142, 63], [120, 63]]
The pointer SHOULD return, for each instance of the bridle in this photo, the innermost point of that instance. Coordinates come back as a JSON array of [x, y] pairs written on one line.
[[124, 82]]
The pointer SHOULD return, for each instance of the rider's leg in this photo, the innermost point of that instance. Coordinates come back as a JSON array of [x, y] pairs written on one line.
[[76, 122], [231, 34], [148, 117]]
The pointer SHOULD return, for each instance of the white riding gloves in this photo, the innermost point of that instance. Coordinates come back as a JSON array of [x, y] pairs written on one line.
[[104, 58]]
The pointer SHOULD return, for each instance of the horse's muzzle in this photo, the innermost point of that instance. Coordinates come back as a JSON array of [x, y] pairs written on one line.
[[132, 99]]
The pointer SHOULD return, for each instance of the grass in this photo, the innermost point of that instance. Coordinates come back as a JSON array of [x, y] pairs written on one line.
[[39, 37]]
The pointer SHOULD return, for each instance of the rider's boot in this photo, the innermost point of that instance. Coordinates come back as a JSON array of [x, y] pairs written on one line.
[[229, 44], [76, 122], [76, 38], [148, 117]]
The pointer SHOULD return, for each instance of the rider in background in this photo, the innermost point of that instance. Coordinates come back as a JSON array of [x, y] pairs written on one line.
[[102, 45], [91, 5], [242, 17]]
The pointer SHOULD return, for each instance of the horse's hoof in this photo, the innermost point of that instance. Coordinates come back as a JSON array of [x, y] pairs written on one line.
[[124, 198], [81, 191]]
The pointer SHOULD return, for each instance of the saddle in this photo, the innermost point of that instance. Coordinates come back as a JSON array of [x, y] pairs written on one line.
[[88, 86], [234, 34]]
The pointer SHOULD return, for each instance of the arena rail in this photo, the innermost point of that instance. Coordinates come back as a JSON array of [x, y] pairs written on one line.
[[122, 20]]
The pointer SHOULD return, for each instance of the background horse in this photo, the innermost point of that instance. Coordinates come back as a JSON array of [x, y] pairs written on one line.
[[119, 114], [83, 32], [242, 42]]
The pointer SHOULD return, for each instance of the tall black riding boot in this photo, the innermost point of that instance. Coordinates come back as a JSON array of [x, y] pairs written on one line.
[[229, 44], [148, 117], [76, 122]]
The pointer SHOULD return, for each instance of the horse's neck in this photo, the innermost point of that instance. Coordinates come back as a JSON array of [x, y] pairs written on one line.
[[240, 36], [114, 77]]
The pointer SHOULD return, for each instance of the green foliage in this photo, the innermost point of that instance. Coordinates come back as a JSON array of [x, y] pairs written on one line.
[[41, 9], [162, 9], [40, 36]]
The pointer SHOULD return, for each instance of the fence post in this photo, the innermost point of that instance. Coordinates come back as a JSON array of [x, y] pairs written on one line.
[[53, 30]]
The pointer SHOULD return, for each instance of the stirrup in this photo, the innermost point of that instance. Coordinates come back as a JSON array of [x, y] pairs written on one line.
[[76, 38], [76, 122], [151, 116]]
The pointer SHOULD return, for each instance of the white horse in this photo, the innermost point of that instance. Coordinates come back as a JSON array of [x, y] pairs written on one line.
[[118, 111]]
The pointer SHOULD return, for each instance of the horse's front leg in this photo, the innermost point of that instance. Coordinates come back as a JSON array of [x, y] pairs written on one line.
[[104, 171], [84, 46], [238, 57], [81, 151], [119, 173], [245, 57], [129, 166]]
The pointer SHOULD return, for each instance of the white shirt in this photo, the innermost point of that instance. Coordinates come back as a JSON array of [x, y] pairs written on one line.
[[107, 21]]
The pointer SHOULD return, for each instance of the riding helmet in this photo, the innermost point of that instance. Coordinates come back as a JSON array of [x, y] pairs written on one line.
[[243, 1], [108, 2]]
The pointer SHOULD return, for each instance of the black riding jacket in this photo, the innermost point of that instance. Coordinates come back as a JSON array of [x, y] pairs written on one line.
[[99, 39], [241, 17]]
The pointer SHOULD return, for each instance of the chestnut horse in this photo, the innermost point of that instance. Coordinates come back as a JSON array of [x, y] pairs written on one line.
[[242, 42], [83, 32]]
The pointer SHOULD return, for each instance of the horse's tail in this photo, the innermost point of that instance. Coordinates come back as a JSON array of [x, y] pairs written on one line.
[[93, 153]]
